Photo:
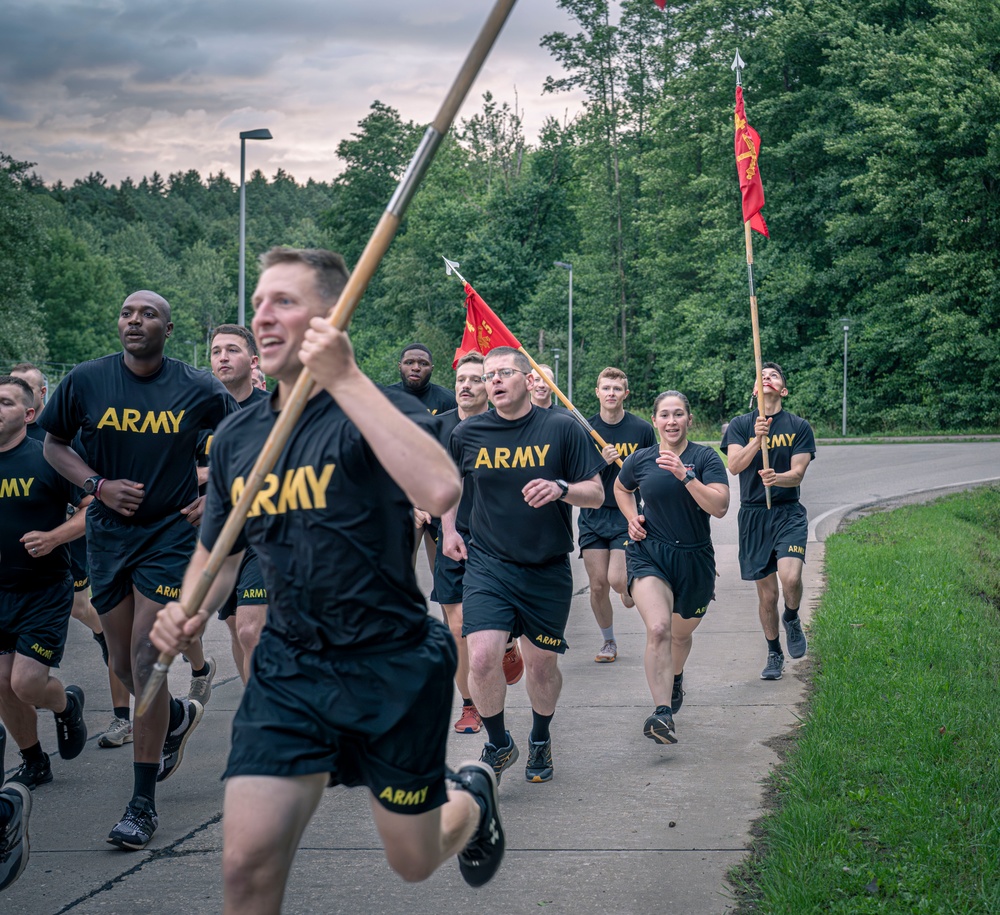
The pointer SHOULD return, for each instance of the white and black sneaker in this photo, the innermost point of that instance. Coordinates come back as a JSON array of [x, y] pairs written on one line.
[[173, 746], [14, 845], [481, 858], [136, 827]]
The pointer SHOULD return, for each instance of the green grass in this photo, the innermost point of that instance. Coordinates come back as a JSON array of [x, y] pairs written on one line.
[[889, 798]]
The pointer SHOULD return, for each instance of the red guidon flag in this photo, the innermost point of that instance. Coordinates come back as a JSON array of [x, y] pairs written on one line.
[[662, 4], [747, 150], [483, 329]]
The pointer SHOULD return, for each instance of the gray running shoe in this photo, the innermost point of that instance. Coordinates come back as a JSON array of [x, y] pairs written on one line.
[[660, 727], [795, 638], [775, 664], [201, 687], [14, 847], [119, 732], [500, 758], [539, 768], [136, 827], [608, 652]]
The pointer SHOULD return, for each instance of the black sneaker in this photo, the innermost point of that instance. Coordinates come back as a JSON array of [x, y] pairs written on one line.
[[539, 768], [677, 695], [14, 834], [173, 746], [500, 758], [775, 663], [71, 729], [660, 727], [136, 827], [33, 774], [479, 860], [795, 638]]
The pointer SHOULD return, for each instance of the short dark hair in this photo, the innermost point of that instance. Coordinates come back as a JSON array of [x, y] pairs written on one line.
[[520, 360], [418, 346], [665, 394], [474, 356], [329, 267], [29, 395], [237, 330]]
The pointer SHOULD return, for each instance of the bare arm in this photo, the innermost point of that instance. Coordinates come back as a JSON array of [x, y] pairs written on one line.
[[791, 477], [628, 505], [452, 541], [739, 457], [585, 494], [65, 461], [41, 543], [412, 457]]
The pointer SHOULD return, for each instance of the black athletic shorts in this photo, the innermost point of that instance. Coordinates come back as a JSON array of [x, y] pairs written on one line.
[[34, 623], [375, 718], [767, 535], [448, 576], [690, 573], [532, 601], [149, 557], [602, 529], [250, 588], [78, 564]]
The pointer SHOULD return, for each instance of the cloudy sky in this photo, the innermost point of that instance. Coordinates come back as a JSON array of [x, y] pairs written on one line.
[[126, 87]]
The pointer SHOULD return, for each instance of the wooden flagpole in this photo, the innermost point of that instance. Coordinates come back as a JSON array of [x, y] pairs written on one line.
[[339, 317]]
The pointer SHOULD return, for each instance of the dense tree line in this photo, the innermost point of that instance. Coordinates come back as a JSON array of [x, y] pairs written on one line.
[[880, 159]]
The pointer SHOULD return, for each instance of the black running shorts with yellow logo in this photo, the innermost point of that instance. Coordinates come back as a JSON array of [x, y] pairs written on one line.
[[34, 622], [602, 529], [689, 572], [448, 576], [250, 588], [380, 719], [532, 601], [770, 534]]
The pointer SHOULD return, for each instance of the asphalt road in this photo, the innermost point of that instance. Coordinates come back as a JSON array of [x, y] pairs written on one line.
[[626, 826]]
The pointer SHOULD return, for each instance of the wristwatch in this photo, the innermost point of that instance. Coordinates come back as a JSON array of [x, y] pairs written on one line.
[[689, 476], [90, 484], [564, 486]]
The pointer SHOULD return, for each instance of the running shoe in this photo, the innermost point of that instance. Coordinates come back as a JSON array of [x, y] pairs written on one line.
[[136, 827], [71, 729], [608, 652], [479, 860], [500, 758], [775, 663], [33, 774], [513, 664], [677, 695], [173, 746], [119, 732], [469, 722], [539, 768], [660, 727], [201, 687], [795, 638], [14, 847]]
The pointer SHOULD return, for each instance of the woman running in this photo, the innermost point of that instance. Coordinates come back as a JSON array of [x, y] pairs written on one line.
[[669, 557]]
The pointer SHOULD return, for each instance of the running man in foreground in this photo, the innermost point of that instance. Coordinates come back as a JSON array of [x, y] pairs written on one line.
[[351, 682]]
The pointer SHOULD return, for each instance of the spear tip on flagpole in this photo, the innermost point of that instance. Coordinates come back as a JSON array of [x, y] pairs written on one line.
[[450, 267], [738, 62]]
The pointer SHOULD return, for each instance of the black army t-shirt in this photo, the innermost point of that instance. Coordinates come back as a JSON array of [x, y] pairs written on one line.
[[671, 513], [789, 435], [332, 530], [448, 422], [435, 398], [628, 435], [33, 497], [139, 428], [502, 456]]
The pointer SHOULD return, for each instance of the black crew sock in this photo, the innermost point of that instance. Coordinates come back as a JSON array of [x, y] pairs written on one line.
[[467, 702], [539, 727], [121, 711], [790, 614], [144, 781], [176, 714], [774, 645], [33, 754], [496, 729], [679, 677], [664, 710], [201, 673], [70, 706]]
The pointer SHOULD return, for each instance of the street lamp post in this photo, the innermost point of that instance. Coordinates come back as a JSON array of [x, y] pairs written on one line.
[[262, 134], [569, 342], [843, 430], [555, 359]]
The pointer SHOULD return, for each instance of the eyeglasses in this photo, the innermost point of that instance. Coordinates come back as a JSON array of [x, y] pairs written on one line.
[[503, 373]]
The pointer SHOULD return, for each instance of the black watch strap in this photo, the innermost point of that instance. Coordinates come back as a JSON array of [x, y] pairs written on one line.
[[564, 486], [689, 476]]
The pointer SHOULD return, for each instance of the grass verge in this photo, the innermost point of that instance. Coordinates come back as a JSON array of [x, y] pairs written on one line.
[[889, 798]]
